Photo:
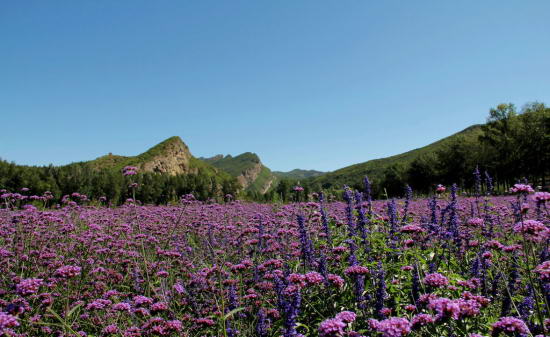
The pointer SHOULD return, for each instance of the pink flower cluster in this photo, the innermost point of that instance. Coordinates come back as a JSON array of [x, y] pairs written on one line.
[[357, 270], [522, 188], [421, 320], [392, 327], [543, 270], [436, 280], [7, 321], [475, 222], [334, 327], [29, 286], [533, 229], [67, 271], [541, 196], [129, 170], [412, 229], [455, 309], [510, 325]]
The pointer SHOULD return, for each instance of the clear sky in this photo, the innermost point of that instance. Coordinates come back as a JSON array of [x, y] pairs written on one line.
[[305, 84]]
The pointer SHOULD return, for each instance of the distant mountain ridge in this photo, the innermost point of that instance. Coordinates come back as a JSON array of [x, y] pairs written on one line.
[[172, 157], [374, 169], [298, 174], [247, 168]]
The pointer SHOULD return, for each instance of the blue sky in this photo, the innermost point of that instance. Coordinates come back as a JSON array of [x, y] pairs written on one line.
[[305, 84]]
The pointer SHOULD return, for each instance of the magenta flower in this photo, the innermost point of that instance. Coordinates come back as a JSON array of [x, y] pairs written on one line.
[[534, 230], [357, 270], [7, 321], [522, 188], [541, 197], [29, 286], [436, 280], [333, 327], [346, 316], [393, 327], [543, 270], [67, 271], [509, 325]]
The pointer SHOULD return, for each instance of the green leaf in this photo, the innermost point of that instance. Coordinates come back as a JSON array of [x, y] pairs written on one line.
[[232, 312]]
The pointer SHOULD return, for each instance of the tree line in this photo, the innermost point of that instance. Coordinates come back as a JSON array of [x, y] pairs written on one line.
[[152, 188]]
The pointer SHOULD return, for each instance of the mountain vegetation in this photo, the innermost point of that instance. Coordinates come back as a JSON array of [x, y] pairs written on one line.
[[298, 174], [254, 177], [513, 145], [166, 171]]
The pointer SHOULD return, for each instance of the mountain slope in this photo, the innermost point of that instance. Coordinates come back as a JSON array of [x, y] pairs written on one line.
[[171, 157], [298, 174], [247, 168], [374, 169]]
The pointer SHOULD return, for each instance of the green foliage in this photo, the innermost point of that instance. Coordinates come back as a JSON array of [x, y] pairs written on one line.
[[238, 165], [103, 177], [234, 165], [510, 146], [298, 174]]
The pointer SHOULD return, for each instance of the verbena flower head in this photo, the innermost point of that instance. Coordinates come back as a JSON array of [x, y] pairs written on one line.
[[129, 170], [522, 188], [421, 320], [509, 325], [541, 197], [333, 327], [67, 271], [533, 229], [346, 316], [393, 327], [29, 286], [543, 270], [357, 270], [7, 321], [436, 280]]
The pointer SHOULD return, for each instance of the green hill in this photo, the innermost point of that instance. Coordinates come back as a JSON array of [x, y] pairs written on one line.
[[374, 169], [172, 156], [247, 168], [298, 174]]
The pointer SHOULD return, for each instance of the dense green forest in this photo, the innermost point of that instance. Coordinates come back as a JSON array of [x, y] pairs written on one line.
[[152, 188], [513, 145]]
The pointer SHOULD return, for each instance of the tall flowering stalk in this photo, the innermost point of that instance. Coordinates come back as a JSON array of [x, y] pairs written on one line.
[[305, 242], [408, 197], [368, 194], [348, 198], [324, 218]]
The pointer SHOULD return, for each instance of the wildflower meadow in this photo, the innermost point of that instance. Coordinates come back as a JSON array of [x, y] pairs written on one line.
[[445, 265]]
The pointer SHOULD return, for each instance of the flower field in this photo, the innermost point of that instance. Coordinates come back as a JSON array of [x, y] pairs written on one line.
[[443, 266]]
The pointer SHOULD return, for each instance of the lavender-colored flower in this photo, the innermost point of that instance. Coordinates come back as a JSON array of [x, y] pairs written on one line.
[[348, 198], [522, 189], [305, 241], [332, 327], [67, 271], [7, 321], [509, 325], [346, 316], [262, 324], [436, 280], [394, 327], [29, 286]]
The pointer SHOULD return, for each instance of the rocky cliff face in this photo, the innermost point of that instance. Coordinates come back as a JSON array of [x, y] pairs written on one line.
[[247, 167], [248, 176], [172, 157]]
